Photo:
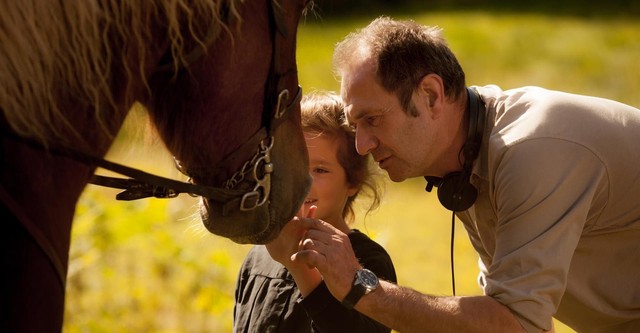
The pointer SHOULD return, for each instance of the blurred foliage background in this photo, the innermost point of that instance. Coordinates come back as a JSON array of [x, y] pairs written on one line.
[[150, 266]]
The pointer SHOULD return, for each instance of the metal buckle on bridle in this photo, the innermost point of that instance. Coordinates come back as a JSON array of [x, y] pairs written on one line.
[[281, 106], [263, 165], [261, 168]]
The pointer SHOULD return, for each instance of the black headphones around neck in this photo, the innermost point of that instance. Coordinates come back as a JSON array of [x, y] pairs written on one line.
[[454, 190]]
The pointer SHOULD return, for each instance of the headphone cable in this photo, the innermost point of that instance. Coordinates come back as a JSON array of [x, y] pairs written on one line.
[[453, 230]]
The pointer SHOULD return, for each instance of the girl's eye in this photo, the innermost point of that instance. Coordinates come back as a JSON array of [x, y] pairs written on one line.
[[320, 170]]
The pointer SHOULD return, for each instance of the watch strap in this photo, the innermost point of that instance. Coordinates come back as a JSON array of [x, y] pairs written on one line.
[[357, 291]]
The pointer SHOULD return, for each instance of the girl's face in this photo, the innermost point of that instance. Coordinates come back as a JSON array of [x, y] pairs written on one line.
[[329, 190]]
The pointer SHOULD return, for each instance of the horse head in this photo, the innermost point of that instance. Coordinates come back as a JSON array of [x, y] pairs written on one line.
[[231, 117], [220, 82]]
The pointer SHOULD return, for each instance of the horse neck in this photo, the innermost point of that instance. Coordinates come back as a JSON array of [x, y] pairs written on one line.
[[41, 188]]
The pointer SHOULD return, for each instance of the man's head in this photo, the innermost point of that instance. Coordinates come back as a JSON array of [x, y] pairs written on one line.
[[402, 52], [404, 95]]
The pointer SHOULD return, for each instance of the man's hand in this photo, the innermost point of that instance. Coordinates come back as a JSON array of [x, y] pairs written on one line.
[[285, 245], [329, 250]]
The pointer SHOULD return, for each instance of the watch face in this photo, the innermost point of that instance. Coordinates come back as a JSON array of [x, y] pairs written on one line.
[[368, 278]]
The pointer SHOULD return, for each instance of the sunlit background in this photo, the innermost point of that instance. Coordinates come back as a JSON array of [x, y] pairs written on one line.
[[150, 266]]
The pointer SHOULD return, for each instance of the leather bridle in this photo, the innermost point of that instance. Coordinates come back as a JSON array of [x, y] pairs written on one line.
[[256, 170]]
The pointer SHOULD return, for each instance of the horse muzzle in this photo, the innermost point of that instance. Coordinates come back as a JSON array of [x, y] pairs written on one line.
[[267, 194]]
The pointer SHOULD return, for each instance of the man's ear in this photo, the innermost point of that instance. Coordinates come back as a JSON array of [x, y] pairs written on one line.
[[432, 91]]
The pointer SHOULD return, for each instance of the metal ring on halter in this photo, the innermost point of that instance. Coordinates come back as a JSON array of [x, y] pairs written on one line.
[[281, 106], [260, 194]]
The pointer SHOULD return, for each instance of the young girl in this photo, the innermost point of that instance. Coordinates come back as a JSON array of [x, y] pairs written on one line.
[[275, 297]]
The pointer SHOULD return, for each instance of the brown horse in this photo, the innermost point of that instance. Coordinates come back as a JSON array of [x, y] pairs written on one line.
[[220, 83]]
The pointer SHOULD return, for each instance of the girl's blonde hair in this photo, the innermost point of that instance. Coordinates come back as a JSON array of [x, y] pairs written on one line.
[[322, 112]]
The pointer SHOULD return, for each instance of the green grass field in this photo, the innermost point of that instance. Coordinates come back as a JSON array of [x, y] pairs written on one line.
[[150, 266]]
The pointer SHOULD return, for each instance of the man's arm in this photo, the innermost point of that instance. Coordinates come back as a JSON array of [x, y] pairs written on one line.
[[407, 310], [400, 308]]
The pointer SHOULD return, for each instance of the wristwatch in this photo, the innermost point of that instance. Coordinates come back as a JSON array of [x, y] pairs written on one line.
[[364, 282]]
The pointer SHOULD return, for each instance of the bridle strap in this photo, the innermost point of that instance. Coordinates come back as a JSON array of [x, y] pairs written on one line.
[[143, 185], [140, 180]]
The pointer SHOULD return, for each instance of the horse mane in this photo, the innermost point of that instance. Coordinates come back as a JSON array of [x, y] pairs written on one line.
[[54, 51]]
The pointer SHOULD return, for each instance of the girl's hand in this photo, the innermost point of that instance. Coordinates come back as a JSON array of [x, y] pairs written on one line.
[[287, 242]]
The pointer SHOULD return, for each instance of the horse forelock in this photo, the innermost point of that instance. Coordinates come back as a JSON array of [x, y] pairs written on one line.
[[58, 58]]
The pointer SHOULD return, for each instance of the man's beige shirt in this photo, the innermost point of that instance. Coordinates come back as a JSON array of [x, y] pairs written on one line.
[[557, 220]]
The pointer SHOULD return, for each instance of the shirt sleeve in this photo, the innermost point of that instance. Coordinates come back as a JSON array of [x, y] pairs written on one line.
[[542, 195]]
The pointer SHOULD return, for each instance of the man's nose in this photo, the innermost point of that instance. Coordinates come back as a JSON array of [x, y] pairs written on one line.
[[365, 141]]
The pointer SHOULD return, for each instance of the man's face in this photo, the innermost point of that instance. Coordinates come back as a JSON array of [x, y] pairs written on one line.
[[400, 143]]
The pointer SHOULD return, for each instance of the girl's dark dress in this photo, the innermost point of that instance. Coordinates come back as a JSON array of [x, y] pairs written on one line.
[[267, 299]]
